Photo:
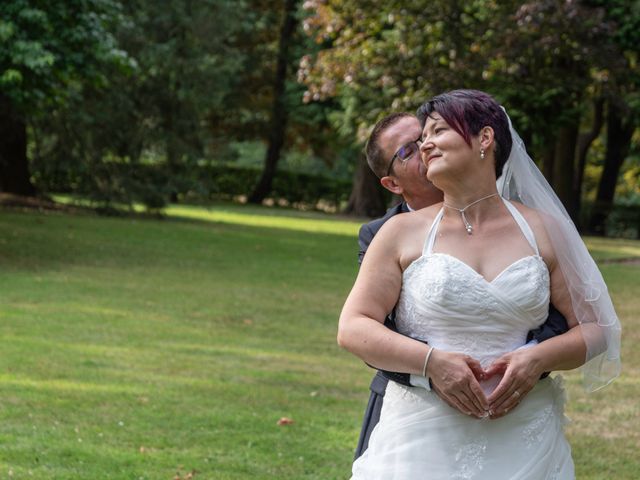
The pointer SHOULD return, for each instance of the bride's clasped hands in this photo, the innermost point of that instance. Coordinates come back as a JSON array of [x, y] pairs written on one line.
[[520, 371], [465, 385]]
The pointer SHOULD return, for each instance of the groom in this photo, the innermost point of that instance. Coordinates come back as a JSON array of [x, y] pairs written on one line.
[[393, 155]]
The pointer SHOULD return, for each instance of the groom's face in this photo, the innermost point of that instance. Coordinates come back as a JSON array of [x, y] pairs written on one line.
[[410, 174]]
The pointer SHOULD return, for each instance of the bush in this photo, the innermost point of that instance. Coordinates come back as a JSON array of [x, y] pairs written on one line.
[[156, 185], [290, 187], [619, 220]]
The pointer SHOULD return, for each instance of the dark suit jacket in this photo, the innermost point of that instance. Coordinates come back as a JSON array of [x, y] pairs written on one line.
[[369, 230], [555, 324]]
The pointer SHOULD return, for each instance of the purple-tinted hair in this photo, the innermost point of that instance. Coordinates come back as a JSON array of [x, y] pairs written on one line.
[[467, 112]]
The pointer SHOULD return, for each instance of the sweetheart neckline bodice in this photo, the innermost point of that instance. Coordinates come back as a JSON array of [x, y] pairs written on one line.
[[504, 271], [448, 304]]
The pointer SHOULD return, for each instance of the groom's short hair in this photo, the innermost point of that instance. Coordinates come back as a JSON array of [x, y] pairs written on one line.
[[373, 151], [467, 112]]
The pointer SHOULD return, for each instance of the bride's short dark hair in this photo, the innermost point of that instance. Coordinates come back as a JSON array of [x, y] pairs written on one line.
[[467, 112]]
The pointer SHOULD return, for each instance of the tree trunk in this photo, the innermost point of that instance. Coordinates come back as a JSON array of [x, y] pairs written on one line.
[[279, 111], [563, 168], [619, 132], [584, 143], [548, 162], [367, 197], [14, 166]]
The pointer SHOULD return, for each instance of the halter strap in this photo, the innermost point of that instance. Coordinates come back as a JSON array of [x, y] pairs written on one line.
[[515, 213], [431, 236], [522, 223]]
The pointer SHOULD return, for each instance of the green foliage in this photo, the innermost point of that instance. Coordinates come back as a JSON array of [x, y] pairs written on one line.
[[104, 79], [245, 112], [547, 61], [187, 67], [629, 188], [626, 14], [49, 49], [101, 138], [121, 182], [291, 188], [198, 86], [622, 220], [391, 56], [533, 55]]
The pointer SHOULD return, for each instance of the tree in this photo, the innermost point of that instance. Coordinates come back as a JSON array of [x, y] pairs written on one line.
[[539, 58], [48, 51], [623, 95], [619, 131], [585, 140], [187, 66], [249, 105], [550, 66], [375, 58], [141, 136], [367, 198], [279, 115]]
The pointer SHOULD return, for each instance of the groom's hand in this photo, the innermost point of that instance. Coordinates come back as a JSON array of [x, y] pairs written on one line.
[[454, 377], [521, 370]]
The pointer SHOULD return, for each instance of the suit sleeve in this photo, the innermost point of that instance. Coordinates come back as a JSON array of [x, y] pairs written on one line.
[[364, 240], [555, 324]]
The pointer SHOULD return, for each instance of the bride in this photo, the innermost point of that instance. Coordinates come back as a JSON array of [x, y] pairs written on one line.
[[471, 276]]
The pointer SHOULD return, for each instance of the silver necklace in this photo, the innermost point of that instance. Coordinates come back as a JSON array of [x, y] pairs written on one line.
[[467, 225]]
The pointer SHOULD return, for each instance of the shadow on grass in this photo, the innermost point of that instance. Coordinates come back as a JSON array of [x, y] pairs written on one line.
[[39, 240]]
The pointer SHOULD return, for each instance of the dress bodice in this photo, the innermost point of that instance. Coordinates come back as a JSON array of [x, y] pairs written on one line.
[[446, 302], [451, 306]]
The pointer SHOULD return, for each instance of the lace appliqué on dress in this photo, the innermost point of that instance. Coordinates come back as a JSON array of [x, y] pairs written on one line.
[[469, 458], [556, 473], [399, 394], [533, 433]]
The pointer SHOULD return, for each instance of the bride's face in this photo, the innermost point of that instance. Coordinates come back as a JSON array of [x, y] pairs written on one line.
[[443, 150]]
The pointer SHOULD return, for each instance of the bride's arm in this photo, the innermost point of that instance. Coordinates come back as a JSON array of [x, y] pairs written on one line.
[[376, 290], [566, 351], [361, 327]]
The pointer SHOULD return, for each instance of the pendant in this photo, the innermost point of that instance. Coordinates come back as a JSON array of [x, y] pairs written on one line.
[[469, 229]]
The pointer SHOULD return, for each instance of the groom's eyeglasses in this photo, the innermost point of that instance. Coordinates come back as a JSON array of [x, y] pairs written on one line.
[[404, 153]]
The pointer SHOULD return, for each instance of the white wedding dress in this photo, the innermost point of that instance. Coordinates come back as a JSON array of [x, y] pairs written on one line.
[[448, 304]]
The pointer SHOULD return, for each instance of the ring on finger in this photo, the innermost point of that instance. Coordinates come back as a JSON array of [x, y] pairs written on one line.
[[516, 394]]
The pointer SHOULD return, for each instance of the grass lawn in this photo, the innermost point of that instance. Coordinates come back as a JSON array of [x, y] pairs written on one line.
[[149, 349]]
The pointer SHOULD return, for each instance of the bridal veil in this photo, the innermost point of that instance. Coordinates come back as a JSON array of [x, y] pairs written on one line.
[[522, 181]]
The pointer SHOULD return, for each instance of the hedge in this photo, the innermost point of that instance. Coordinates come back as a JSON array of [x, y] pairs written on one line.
[[156, 185]]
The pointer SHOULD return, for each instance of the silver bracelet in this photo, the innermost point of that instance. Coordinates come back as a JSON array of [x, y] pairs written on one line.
[[426, 362]]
